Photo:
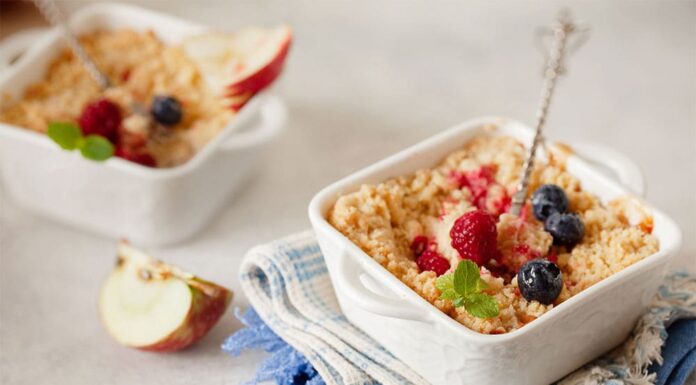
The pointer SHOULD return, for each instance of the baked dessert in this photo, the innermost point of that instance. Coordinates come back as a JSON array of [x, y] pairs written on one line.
[[425, 227], [165, 101]]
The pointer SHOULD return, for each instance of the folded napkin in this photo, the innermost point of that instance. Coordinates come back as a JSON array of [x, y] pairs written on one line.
[[631, 362], [288, 286], [678, 354]]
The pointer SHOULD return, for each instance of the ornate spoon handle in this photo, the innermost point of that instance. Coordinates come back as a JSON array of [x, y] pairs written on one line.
[[562, 27], [52, 13]]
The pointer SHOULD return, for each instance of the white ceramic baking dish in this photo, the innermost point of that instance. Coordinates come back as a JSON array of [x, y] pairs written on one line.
[[118, 198], [444, 351]]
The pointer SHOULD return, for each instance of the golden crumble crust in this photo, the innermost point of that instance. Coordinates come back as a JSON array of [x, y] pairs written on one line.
[[384, 219]]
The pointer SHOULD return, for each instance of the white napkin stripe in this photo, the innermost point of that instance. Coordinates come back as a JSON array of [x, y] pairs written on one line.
[[288, 285]]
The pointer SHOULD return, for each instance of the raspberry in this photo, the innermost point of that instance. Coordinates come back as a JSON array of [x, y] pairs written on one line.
[[428, 259], [102, 117], [475, 236], [136, 156], [431, 260], [419, 244]]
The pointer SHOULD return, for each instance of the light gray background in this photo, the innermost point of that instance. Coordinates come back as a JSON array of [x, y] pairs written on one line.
[[364, 80]]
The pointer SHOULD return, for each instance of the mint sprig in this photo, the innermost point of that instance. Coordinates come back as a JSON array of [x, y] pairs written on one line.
[[465, 288], [69, 137], [97, 148]]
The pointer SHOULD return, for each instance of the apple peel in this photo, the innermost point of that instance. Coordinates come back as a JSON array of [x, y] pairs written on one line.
[[239, 65], [149, 305]]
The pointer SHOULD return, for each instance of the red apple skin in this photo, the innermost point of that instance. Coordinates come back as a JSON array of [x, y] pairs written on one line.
[[205, 311], [244, 89]]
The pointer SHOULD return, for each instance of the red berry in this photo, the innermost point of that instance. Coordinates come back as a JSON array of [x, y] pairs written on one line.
[[102, 117], [431, 260], [475, 236], [133, 155], [419, 244]]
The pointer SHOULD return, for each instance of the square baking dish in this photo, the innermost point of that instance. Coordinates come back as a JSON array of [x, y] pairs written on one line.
[[446, 352], [118, 198]]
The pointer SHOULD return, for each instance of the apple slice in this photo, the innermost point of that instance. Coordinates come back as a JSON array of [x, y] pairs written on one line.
[[239, 65], [149, 305]]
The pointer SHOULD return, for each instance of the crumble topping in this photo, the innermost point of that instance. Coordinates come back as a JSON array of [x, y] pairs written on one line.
[[384, 220]]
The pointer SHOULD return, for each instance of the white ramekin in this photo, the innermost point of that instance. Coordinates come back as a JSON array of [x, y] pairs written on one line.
[[118, 198], [445, 352]]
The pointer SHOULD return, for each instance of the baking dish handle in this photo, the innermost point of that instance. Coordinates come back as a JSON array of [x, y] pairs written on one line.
[[627, 172], [12, 47], [354, 282], [272, 120]]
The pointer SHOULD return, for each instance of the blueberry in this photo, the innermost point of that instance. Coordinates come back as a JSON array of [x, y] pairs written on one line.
[[540, 280], [166, 110], [567, 229], [549, 199]]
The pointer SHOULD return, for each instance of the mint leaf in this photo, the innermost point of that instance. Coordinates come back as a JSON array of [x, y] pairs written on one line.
[[69, 137], [466, 277], [445, 284], [464, 287], [481, 305], [481, 285], [66, 135], [97, 148]]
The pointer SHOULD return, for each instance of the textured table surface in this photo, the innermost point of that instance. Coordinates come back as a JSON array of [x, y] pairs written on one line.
[[364, 81]]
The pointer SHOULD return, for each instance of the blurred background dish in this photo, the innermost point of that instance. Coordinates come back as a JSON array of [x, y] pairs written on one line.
[[145, 205]]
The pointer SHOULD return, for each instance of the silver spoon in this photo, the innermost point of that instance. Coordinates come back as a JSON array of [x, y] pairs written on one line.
[[53, 14], [55, 17], [562, 28]]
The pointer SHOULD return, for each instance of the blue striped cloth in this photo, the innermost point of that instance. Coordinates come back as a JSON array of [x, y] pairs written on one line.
[[288, 285], [678, 354], [296, 316]]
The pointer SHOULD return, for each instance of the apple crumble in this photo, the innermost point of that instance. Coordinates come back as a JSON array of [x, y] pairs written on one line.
[[412, 226], [141, 68]]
